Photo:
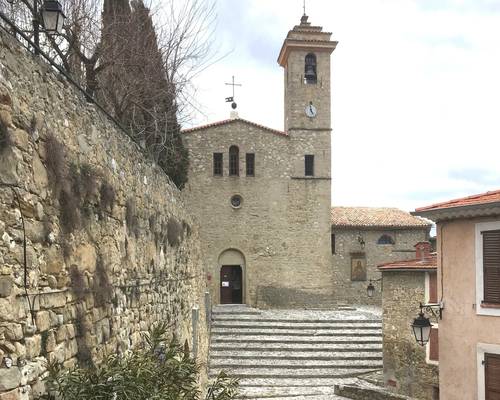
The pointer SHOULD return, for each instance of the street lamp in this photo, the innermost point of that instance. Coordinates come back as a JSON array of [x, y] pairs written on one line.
[[52, 16], [421, 329], [370, 290], [49, 18], [421, 325]]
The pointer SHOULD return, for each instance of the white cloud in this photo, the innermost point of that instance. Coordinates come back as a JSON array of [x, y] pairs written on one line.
[[416, 91]]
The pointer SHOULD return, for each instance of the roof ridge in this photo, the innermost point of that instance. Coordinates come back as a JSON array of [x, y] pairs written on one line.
[[231, 120]]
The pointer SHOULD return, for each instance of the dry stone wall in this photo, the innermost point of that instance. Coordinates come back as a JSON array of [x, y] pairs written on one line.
[[110, 247]]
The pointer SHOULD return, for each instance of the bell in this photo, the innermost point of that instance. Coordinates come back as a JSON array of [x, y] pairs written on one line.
[[310, 74]]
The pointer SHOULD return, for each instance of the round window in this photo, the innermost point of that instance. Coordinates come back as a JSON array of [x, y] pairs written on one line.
[[236, 201]]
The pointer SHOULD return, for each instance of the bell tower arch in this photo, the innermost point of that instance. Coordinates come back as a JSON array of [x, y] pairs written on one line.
[[305, 58]]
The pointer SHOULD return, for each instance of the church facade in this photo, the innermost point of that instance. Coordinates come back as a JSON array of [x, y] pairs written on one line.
[[262, 197]]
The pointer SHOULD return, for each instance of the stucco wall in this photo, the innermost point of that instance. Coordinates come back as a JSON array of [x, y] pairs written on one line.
[[461, 329], [405, 368], [99, 272], [346, 243]]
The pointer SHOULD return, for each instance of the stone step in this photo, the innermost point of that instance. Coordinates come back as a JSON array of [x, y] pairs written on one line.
[[296, 355], [279, 382], [271, 391], [247, 313], [216, 332], [295, 325], [302, 373], [294, 346], [237, 339], [295, 397], [361, 392], [233, 364], [251, 318]]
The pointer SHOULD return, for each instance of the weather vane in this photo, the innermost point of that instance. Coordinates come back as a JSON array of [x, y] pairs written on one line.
[[304, 7], [231, 99]]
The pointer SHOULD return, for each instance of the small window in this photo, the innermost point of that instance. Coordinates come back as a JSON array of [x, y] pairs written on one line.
[[234, 161], [333, 243], [309, 165], [250, 158], [385, 239], [310, 76], [218, 164], [491, 266], [236, 201]]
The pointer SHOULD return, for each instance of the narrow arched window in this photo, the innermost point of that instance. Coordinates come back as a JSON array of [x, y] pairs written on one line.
[[234, 161], [310, 74], [385, 239]]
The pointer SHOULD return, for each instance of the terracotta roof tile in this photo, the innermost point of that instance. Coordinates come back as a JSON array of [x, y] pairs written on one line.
[[232, 120], [483, 198], [375, 217], [425, 263]]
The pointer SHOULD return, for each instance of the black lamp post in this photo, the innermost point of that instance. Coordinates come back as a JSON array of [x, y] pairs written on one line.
[[421, 329], [50, 18], [421, 325], [370, 289]]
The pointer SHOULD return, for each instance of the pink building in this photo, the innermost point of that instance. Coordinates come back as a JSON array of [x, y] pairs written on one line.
[[468, 247]]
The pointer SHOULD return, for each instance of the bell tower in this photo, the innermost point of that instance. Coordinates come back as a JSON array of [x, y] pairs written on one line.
[[305, 57]]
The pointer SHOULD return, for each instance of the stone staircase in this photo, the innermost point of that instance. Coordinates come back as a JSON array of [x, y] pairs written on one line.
[[292, 354]]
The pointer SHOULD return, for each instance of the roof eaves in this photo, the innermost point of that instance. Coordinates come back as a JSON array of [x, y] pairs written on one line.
[[366, 226], [459, 212]]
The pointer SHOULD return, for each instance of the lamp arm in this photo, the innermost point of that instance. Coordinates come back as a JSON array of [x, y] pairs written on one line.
[[436, 309]]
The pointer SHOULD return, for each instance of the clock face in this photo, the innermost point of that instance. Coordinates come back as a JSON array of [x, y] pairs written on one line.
[[311, 111]]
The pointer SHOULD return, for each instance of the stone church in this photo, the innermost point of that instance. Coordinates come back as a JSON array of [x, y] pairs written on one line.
[[262, 196]]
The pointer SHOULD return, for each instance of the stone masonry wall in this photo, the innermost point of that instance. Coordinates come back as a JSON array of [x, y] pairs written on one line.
[[111, 248], [346, 243], [405, 368], [282, 227]]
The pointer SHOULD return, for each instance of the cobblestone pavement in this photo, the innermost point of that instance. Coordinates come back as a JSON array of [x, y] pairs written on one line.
[[295, 354]]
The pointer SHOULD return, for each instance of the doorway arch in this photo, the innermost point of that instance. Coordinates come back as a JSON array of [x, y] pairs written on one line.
[[231, 277]]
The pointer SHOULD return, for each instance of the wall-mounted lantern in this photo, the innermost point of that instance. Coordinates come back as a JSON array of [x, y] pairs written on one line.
[[52, 16], [361, 241], [47, 17], [421, 325], [370, 290]]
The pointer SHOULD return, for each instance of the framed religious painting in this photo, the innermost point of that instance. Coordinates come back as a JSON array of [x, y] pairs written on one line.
[[358, 267]]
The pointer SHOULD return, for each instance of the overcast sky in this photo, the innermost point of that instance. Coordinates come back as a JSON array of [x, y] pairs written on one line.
[[415, 91]]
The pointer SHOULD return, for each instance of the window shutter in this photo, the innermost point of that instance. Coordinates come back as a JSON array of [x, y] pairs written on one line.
[[433, 297], [492, 375], [434, 345], [491, 266]]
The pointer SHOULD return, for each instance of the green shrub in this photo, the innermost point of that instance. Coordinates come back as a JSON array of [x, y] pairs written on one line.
[[160, 370]]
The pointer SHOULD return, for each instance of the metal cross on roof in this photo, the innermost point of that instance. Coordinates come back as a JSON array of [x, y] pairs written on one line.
[[231, 99]]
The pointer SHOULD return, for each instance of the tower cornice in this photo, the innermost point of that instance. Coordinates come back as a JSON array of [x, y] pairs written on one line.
[[304, 44]]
